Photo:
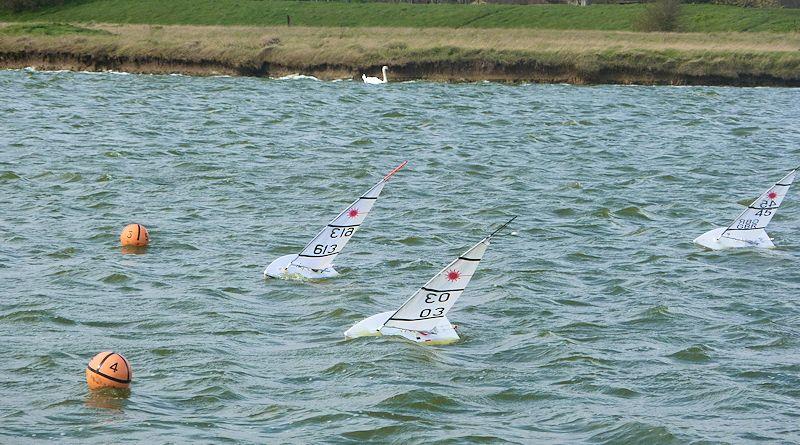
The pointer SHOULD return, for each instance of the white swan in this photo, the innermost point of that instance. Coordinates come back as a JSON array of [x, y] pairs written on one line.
[[376, 80]]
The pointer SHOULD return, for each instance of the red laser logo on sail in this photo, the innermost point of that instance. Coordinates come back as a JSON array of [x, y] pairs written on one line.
[[453, 275], [772, 195], [352, 213]]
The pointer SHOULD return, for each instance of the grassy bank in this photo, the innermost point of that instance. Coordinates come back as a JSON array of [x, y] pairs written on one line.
[[433, 53], [695, 18]]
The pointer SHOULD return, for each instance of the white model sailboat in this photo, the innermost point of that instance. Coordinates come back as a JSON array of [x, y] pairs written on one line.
[[423, 317], [747, 230], [315, 261]]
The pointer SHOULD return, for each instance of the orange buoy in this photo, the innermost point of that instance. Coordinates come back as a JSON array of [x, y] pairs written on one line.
[[134, 235], [108, 370]]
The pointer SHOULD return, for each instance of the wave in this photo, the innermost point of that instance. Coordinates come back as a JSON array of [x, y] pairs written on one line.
[[296, 77]]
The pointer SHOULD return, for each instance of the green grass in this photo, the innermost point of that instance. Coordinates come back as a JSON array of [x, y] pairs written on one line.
[[48, 29], [695, 18]]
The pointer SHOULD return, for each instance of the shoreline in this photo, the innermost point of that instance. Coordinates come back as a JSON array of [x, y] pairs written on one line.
[[531, 71], [434, 54]]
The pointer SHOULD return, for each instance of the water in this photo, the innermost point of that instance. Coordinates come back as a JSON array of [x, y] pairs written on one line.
[[599, 322]]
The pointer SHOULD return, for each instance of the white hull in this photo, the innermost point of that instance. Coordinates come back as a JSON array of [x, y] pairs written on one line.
[[443, 333], [284, 269], [714, 241]]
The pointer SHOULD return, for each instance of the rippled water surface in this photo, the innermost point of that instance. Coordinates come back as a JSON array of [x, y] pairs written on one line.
[[598, 322]]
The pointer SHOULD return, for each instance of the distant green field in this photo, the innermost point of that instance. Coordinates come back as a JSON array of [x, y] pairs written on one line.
[[696, 18]]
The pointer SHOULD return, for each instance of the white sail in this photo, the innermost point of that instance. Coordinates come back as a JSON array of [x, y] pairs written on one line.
[[326, 246], [430, 304], [750, 225]]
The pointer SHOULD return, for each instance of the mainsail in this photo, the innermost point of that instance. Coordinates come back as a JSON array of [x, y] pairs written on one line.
[[749, 225], [326, 246]]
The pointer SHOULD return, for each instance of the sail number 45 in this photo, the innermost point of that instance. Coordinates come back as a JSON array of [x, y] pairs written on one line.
[[766, 207]]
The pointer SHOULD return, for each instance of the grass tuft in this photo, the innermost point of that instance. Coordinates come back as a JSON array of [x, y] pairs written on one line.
[[660, 16], [49, 29]]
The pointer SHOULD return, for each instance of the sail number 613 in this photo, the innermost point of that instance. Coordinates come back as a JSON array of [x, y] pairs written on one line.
[[341, 232], [322, 249]]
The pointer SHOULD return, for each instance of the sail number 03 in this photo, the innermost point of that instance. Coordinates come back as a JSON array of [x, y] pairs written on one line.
[[434, 298]]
